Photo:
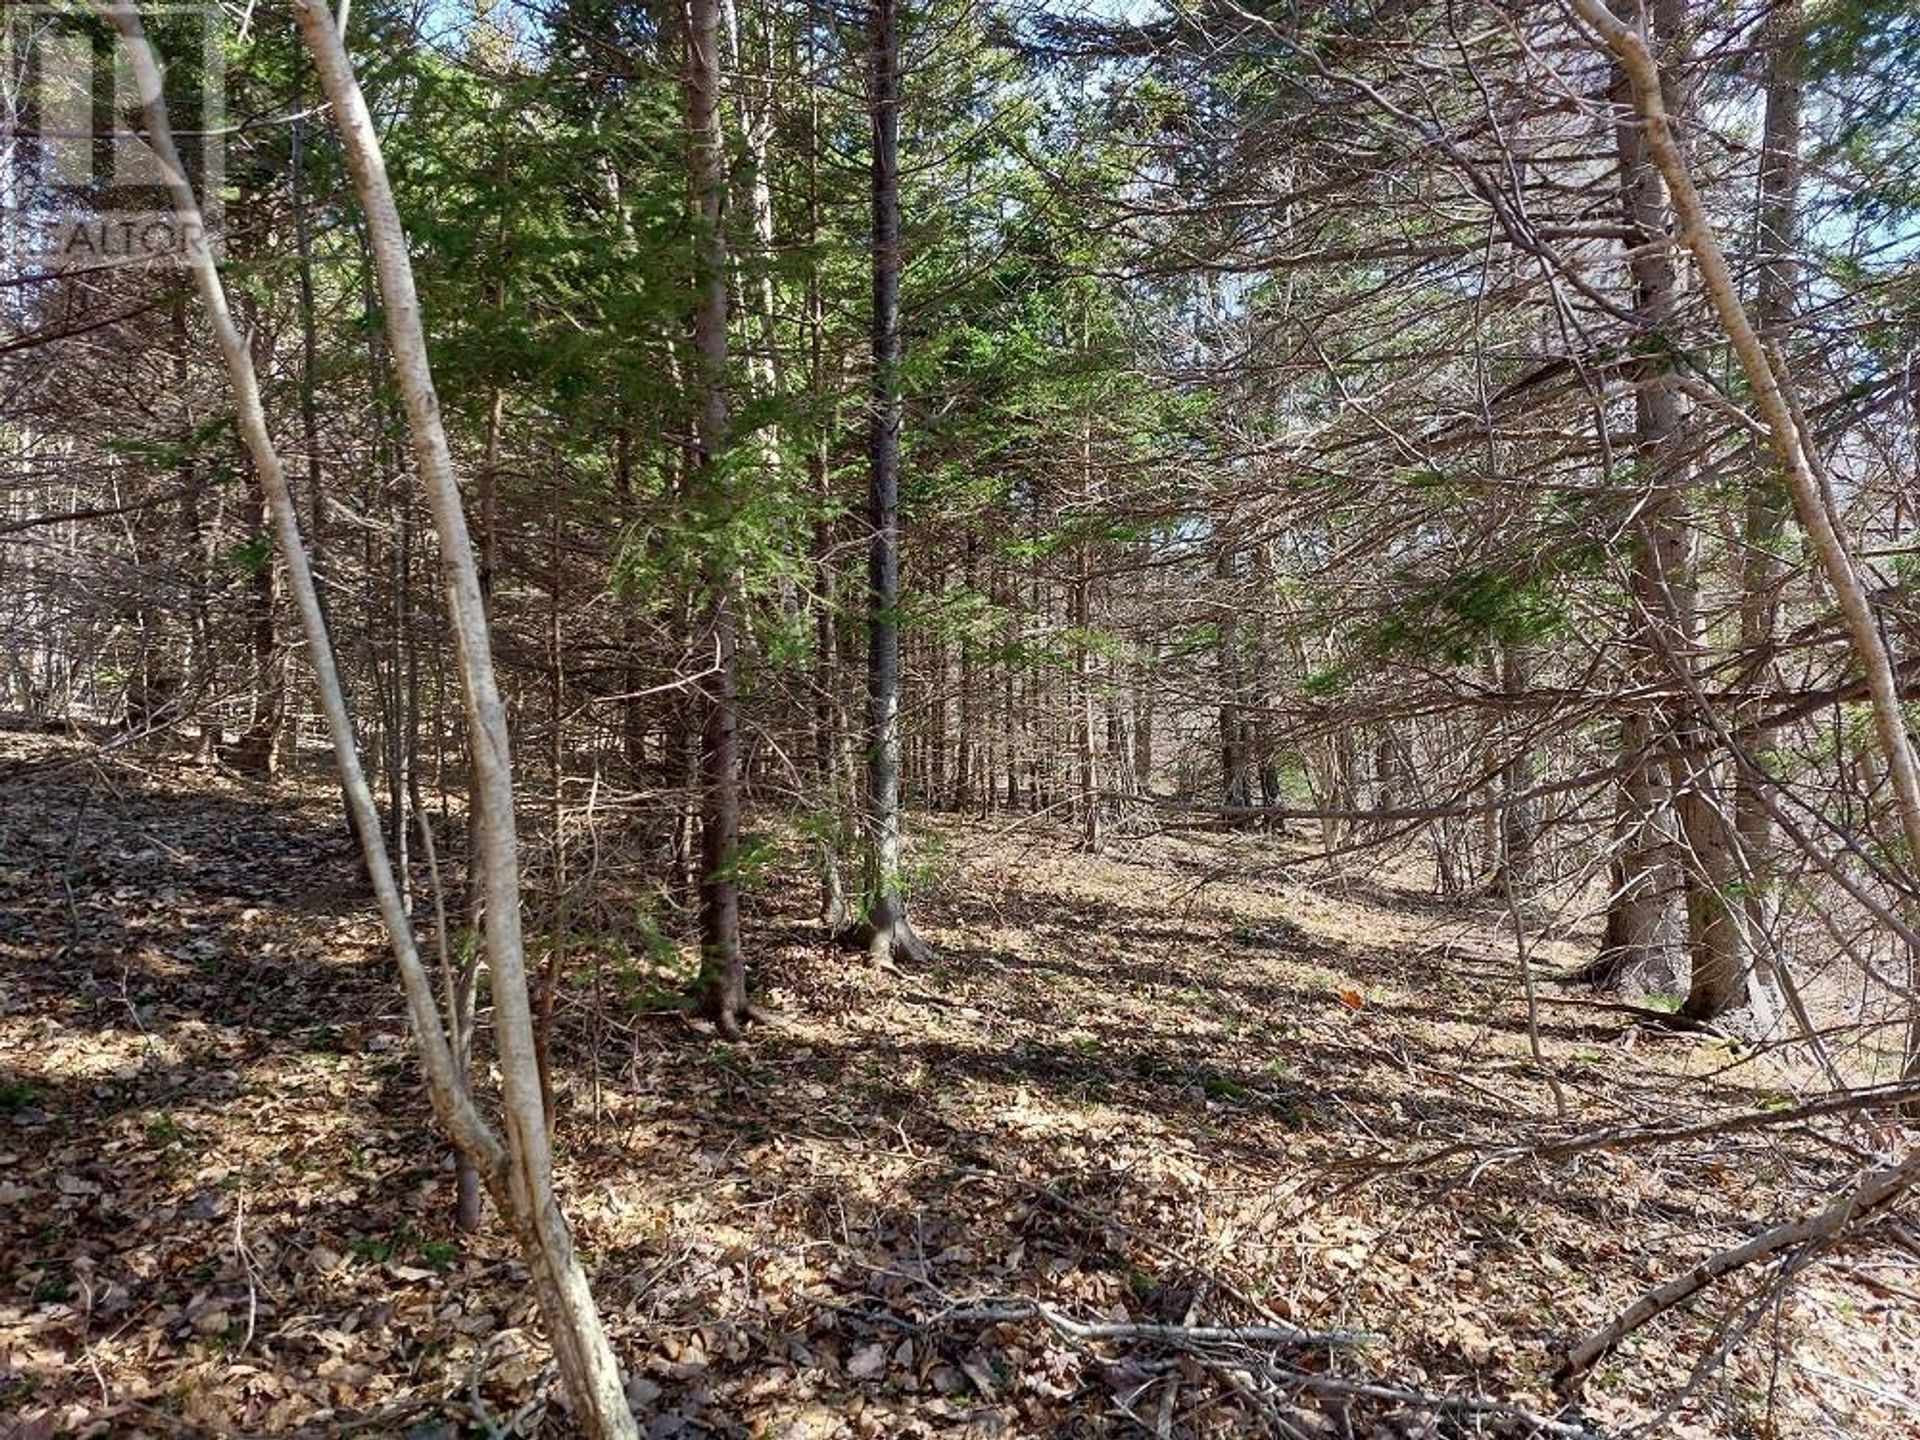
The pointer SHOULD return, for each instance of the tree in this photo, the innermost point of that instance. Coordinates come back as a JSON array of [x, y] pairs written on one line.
[[889, 933], [723, 979], [1786, 433], [520, 1169]]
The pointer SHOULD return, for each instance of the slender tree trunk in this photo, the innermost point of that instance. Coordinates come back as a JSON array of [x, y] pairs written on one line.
[[1519, 824], [753, 97], [1660, 619], [1007, 596], [202, 663], [890, 933], [1082, 616], [1768, 505], [1665, 591], [931, 780], [402, 708], [1083, 702], [633, 705], [966, 753], [1264, 757], [309, 355], [831, 746], [1143, 725], [1236, 770], [466, 1180], [515, 1173], [524, 1190], [258, 750], [561, 909]]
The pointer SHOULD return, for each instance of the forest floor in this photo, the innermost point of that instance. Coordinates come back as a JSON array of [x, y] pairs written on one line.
[[1197, 1081]]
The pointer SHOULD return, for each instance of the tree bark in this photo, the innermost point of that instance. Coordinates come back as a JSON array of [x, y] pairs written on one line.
[[1088, 801], [1768, 504], [524, 1187], [1660, 619], [890, 933], [1236, 764], [1770, 384], [1519, 824], [723, 978], [966, 753]]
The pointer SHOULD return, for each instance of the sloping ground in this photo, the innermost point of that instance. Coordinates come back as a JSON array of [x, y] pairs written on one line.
[[1184, 1084]]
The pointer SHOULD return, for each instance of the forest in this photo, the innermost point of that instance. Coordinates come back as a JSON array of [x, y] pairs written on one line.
[[787, 719]]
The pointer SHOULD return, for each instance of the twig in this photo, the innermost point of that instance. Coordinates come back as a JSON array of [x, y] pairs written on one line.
[[1208, 1344], [1525, 948], [1877, 1392], [246, 1265], [1630, 1137]]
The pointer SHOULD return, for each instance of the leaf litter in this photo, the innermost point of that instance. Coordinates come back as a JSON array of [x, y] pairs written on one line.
[[1144, 1107]]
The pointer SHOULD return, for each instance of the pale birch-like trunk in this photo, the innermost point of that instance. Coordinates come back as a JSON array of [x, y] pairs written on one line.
[[451, 1101], [524, 1185], [1799, 464]]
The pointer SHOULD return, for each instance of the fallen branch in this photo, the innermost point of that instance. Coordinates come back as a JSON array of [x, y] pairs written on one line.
[[1179, 1337], [1443, 1404], [1627, 1137], [1210, 1345], [1876, 1190], [1634, 1137]]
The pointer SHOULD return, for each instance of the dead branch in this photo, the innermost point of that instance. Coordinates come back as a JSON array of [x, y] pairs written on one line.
[[1875, 1191], [1231, 1353], [1180, 1337]]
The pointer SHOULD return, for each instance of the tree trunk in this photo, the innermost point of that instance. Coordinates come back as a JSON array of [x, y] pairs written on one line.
[[524, 1187], [1083, 718], [1236, 764], [1774, 399], [968, 749], [1768, 504], [723, 976], [309, 356], [1660, 619], [1088, 800], [1519, 824], [1143, 725], [890, 933], [197, 541], [520, 1173], [753, 102], [1263, 757]]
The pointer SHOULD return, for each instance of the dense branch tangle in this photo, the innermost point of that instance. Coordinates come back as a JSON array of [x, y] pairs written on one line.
[[1471, 435]]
